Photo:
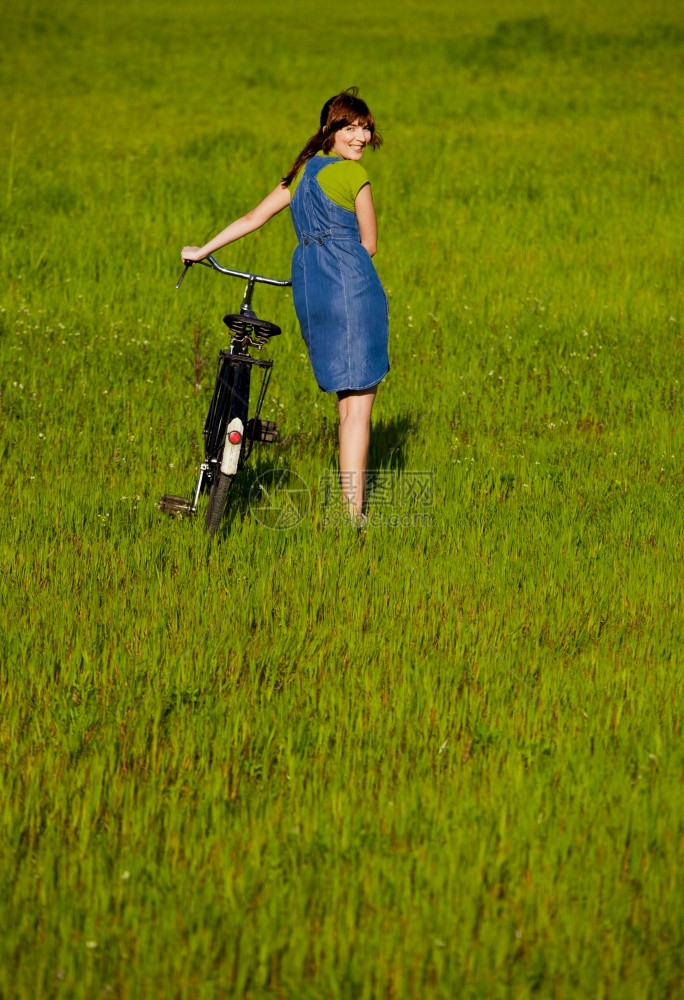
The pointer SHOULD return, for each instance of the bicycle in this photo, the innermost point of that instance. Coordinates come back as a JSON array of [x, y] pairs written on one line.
[[229, 432]]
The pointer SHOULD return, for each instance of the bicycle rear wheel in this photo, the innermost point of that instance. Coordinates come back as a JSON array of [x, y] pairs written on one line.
[[221, 482], [218, 498]]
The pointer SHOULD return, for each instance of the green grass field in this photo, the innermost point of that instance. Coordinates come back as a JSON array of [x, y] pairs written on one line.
[[439, 760]]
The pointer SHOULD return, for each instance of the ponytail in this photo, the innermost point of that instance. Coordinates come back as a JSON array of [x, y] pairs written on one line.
[[313, 146]]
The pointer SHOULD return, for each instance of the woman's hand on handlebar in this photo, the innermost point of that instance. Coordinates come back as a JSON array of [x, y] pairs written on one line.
[[191, 255]]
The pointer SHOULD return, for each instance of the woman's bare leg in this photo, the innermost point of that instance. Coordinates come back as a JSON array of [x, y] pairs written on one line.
[[355, 412]]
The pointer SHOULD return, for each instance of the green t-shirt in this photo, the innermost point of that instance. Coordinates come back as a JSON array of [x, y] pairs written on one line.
[[341, 181]]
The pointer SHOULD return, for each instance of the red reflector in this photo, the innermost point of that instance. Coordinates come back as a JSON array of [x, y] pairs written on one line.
[[235, 437]]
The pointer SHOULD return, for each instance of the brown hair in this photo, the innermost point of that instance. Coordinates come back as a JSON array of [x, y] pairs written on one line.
[[338, 111]]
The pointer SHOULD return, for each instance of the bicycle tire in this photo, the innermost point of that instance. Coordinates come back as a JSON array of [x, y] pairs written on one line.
[[218, 498]]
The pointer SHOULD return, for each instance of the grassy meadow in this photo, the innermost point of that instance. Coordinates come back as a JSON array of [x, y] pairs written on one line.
[[441, 759]]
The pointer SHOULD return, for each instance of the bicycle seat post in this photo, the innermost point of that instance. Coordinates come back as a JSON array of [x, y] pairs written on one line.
[[246, 307]]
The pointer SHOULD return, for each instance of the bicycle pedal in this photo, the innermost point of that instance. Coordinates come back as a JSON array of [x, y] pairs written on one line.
[[175, 506], [264, 431]]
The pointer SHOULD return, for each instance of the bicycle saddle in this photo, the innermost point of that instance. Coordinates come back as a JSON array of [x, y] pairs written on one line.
[[260, 329]]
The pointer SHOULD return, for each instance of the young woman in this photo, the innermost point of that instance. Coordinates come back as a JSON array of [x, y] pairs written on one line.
[[339, 299]]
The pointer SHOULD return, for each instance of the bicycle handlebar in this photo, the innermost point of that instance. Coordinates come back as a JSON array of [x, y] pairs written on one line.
[[211, 262]]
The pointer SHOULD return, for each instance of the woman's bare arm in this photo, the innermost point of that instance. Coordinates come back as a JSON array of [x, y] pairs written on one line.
[[365, 216], [273, 203]]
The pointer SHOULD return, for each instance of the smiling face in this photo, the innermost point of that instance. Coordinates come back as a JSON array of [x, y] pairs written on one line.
[[351, 140]]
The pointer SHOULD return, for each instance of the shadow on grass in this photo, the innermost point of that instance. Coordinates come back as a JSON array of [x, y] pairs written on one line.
[[388, 438], [272, 479]]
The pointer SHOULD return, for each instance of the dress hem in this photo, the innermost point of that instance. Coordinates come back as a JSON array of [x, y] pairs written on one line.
[[355, 388]]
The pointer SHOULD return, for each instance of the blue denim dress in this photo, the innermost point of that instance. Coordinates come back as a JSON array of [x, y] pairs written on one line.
[[339, 299]]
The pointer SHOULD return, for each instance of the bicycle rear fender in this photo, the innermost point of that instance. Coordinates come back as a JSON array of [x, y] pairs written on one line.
[[231, 452]]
